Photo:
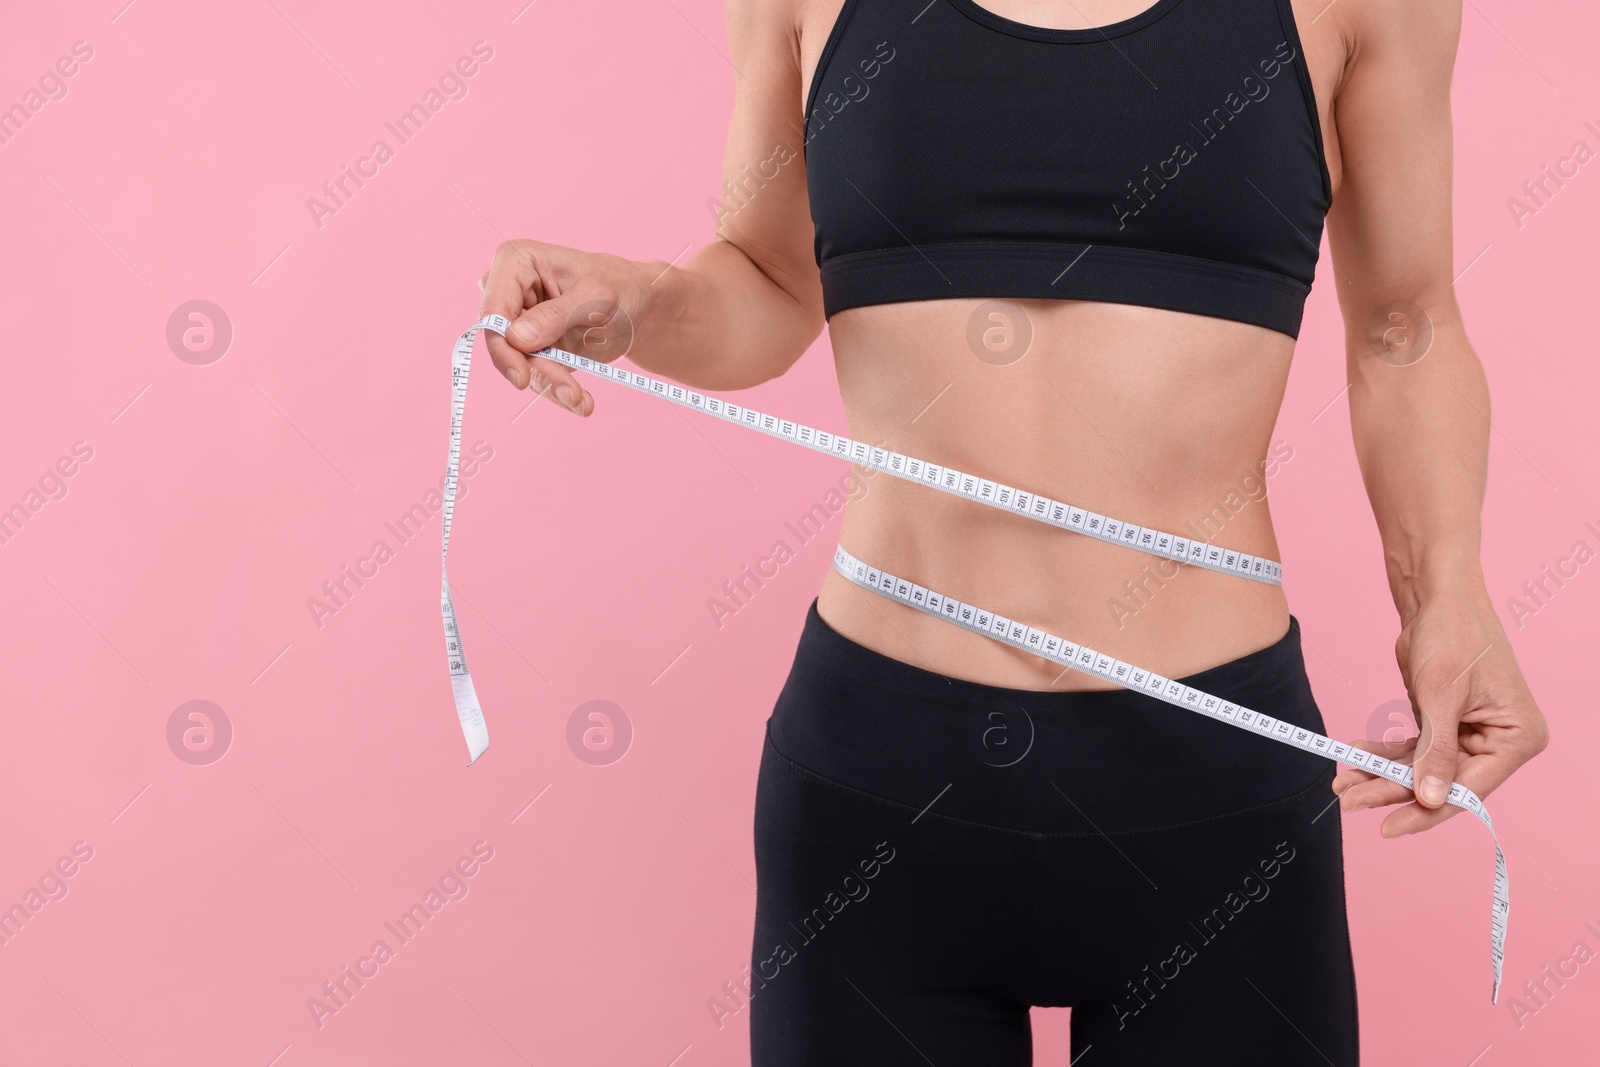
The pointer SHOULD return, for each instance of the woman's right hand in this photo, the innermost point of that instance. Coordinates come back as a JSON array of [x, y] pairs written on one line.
[[587, 303]]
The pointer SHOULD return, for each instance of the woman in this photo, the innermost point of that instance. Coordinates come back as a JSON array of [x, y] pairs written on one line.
[[1066, 244]]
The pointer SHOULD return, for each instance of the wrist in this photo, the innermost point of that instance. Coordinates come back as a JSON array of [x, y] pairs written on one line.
[[660, 297], [1455, 581], [658, 290]]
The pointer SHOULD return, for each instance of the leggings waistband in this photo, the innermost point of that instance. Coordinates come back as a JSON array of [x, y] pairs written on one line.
[[1040, 762]]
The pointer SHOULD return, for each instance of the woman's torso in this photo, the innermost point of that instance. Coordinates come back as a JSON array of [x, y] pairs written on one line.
[[1160, 417]]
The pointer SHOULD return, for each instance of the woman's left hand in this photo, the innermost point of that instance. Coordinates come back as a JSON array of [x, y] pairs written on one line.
[[1478, 720]]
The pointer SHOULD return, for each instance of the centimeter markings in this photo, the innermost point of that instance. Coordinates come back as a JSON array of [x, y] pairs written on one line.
[[989, 624], [958, 483], [468, 710], [1083, 658]]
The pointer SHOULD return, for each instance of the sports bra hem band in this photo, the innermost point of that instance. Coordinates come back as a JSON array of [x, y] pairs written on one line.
[[1049, 270]]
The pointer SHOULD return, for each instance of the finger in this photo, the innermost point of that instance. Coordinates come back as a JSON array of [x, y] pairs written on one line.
[[1413, 818], [544, 376], [566, 318], [1349, 776], [1438, 750], [1482, 774], [510, 285], [557, 382], [1394, 751], [1378, 793]]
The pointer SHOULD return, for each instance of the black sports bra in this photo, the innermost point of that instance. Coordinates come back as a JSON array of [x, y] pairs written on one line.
[[1172, 160]]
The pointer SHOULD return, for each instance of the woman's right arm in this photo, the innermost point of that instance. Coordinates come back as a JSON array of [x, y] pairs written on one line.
[[738, 312]]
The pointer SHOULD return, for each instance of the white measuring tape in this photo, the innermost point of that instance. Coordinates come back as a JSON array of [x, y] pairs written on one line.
[[989, 624]]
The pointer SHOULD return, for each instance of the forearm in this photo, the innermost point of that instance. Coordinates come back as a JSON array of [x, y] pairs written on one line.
[[1421, 434], [717, 321]]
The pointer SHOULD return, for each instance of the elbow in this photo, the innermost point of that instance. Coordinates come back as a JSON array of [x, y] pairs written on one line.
[[1399, 331]]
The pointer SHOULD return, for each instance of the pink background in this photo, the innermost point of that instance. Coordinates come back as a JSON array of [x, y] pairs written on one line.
[[218, 498]]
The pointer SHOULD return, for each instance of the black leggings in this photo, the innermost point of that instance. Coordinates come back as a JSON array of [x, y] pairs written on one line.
[[933, 856]]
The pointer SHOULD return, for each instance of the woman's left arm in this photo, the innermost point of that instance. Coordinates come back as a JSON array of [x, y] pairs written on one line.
[[1419, 413]]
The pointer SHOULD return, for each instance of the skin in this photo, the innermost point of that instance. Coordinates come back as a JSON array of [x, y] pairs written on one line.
[[1059, 420]]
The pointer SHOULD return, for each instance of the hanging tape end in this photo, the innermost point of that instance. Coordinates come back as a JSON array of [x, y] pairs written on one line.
[[476, 750]]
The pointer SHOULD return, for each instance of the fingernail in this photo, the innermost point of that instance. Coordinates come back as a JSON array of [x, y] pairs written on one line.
[[1384, 831], [1433, 790], [521, 332], [567, 395], [1349, 806], [511, 376]]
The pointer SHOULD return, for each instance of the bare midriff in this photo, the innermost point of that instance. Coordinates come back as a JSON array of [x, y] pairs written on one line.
[[1154, 417]]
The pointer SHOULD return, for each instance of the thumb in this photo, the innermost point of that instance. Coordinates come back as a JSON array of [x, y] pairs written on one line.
[[1438, 752], [586, 304]]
